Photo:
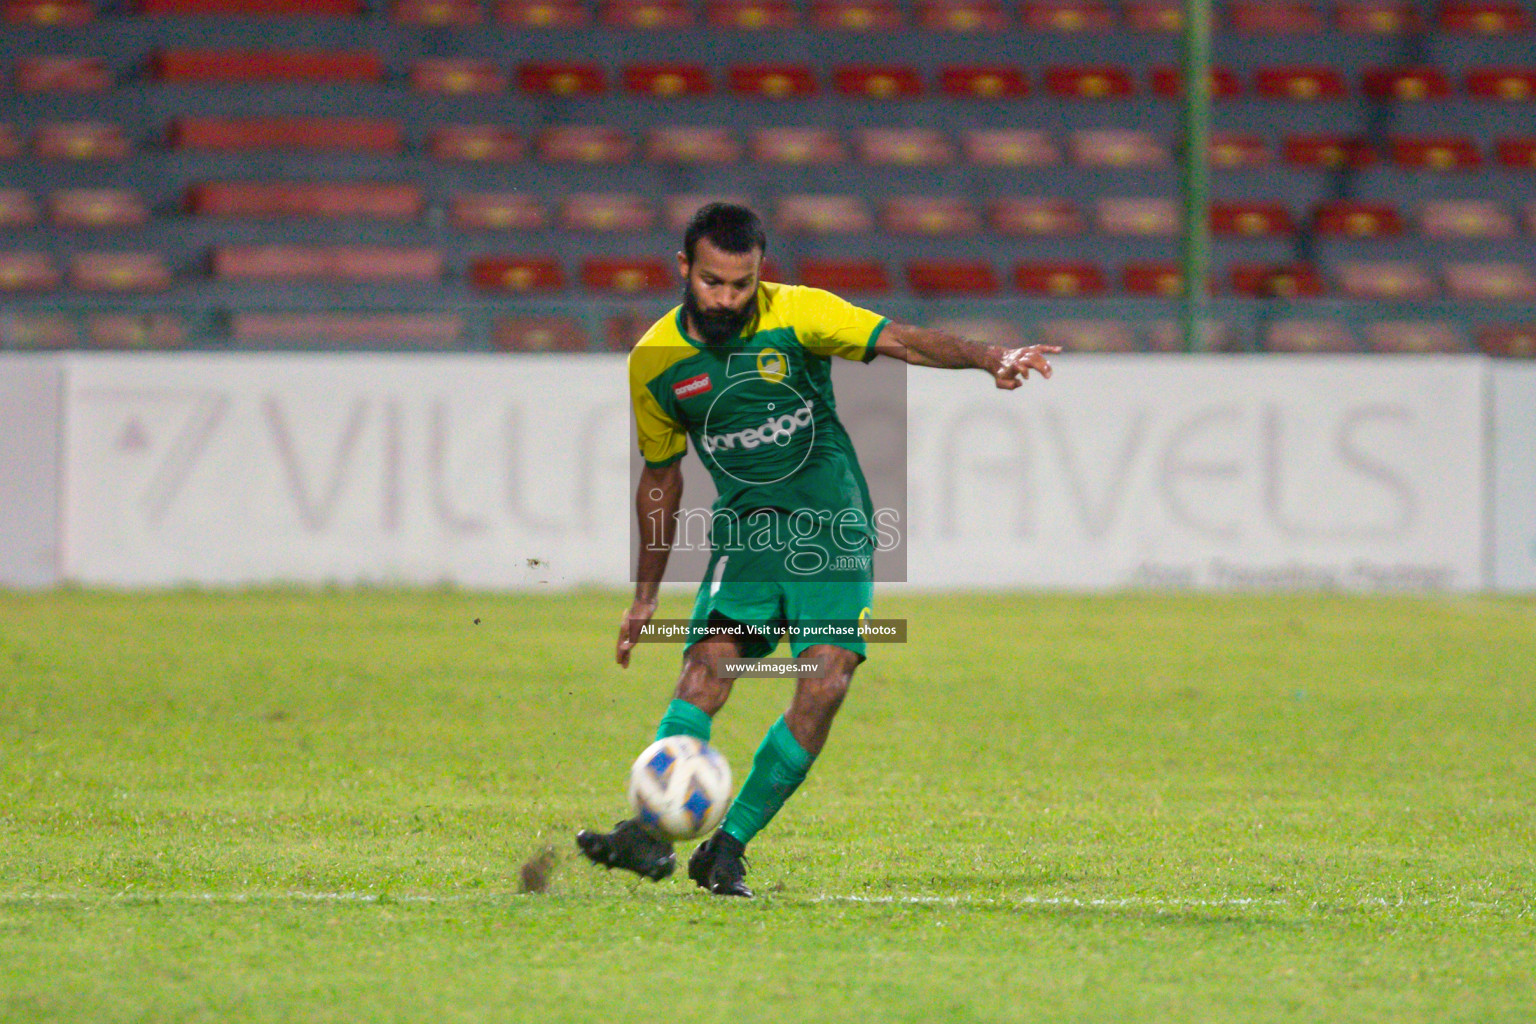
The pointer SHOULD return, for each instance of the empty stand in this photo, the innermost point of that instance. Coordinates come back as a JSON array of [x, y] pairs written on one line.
[[606, 212], [119, 272], [845, 275], [626, 276], [929, 215], [17, 208], [824, 215], [339, 264], [236, 134], [1034, 215], [672, 144], [539, 334], [498, 211], [475, 143], [1382, 280], [27, 271], [194, 67], [305, 199], [62, 74], [1059, 278], [97, 208], [517, 274], [909, 147], [951, 277], [454, 76], [1466, 218]]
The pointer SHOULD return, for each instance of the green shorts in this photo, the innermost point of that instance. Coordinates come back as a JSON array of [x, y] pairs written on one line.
[[817, 593]]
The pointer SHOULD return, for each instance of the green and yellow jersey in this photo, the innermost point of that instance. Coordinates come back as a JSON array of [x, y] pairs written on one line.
[[759, 408]]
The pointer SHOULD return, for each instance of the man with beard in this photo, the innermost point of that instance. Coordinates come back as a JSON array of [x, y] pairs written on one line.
[[743, 367]]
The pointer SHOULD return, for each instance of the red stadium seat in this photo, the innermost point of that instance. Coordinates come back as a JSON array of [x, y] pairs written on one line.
[[1517, 152], [456, 76], [1212, 336], [1422, 83], [1059, 278], [1466, 218], [1357, 220], [1508, 340], [1303, 84], [877, 83], [308, 199], [48, 13], [475, 142], [1009, 147], [1436, 153], [824, 215], [1034, 215], [904, 147], [929, 215], [1485, 18], [983, 82], [17, 209], [1138, 216], [951, 277], [234, 134], [772, 81], [1088, 335], [119, 272], [584, 144], [654, 15], [1415, 337], [987, 330], [249, 8], [1236, 151], [438, 13], [539, 334], [80, 141], [1511, 84], [857, 16], [39, 331], [587, 211], [1089, 83], [135, 331], [1380, 280], [1378, 17], [626, 276], [1327, 152], [1491, 282], [1117, 147], [97, 208], [340, 264], [752, 15], [1168, 82], [677, 210], [1067, 15], [1154, 15], [1285, 281], [1310, 336], [561, 79], [517, 274], [349, 330], [668, 81], [227, 66], [27, 272], [10, 146], [563, 14], [62, 74], [1270, 17], [497, 211], [691, 145], [798, 146], [1528, 217], [1161, 280], [845, 275], [961, 16], [1250, 219]]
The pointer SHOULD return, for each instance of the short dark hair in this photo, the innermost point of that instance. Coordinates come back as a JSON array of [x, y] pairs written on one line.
[[728, 226]]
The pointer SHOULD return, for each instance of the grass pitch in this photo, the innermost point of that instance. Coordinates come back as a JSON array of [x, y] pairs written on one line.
[[313, 807]]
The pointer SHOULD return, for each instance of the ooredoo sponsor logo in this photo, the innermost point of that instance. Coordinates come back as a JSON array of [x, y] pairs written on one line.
[[775, 430]]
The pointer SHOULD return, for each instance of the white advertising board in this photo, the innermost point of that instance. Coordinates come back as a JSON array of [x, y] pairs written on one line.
[[30, 392], [1514, 476]]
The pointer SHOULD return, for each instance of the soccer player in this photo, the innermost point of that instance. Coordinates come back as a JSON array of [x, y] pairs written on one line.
[[743, 368]]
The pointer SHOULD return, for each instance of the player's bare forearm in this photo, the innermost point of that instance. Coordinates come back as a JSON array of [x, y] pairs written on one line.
[[924, 346], [657, 499]]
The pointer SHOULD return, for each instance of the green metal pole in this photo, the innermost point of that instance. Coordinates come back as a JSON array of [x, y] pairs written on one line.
[[1195, 255]]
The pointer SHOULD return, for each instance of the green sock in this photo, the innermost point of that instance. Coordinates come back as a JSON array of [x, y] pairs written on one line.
[[684, 719], [778, 769]]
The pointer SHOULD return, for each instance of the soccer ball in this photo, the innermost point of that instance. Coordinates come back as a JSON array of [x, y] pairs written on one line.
[[680, 787]]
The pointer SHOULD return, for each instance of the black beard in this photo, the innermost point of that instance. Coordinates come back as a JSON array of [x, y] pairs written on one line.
[[716, 327]]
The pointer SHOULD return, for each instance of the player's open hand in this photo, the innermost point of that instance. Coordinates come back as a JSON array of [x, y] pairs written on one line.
[[1017, 362], [637, 615]]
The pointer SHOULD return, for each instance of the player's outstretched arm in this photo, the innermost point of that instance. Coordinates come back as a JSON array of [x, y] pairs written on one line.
[[656, 502], [923, 346]]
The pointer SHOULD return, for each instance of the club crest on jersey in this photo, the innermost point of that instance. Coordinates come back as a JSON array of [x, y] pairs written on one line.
[[772, 366], [693, 386]]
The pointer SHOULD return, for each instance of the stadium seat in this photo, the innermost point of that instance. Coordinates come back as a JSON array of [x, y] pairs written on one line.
[[1357, 220], [845, 275], [538, 334], [1490, 282], [1466, 218], [1309, 336], [561, 79], [10, 145], [81, 140], [1067, 15], [877, 82], [1435, 153], [497, 211], [1138, 216], [1384, 280], [341, 264], [438, 13], [1168, 82], [62, 74], [951, 277], [1009, 147], [347, 330], [517, 274], [1528, 217], [823, 215], [668, 81], [1509, 84], [678, 210], [1166, 16], [587, 144], [929, 215], [904, 147], [457, 76], [1271, 17], [772, 81], [1410, 84], [1378, 17], [475, 143], [17, 208], [27, 272], [961, 16], [586, 211], [1517, 152], [1250, 219], [250, 66], [1059, 278], [119, 272], [1160, 279], [752, 15], [1212, 335], [250, 8], [562, 14], [1327, 152], [857, 16], [1116, 147], [1034, 215], [626, 276], [983, 82], [277, 199], [1484, 17], [1089, 83], [1301, 84], [692, 145], [233, 134], [133, 331], [653, 15], [1088, 335], [1234, 151], [987, 330], [97, 208], [1285, 281], [797, 146], [1414, 337], [48, 13], [38, 331], [1508, 340]]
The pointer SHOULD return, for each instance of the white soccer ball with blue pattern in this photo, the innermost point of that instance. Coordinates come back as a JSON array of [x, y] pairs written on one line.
[[679, 787]]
